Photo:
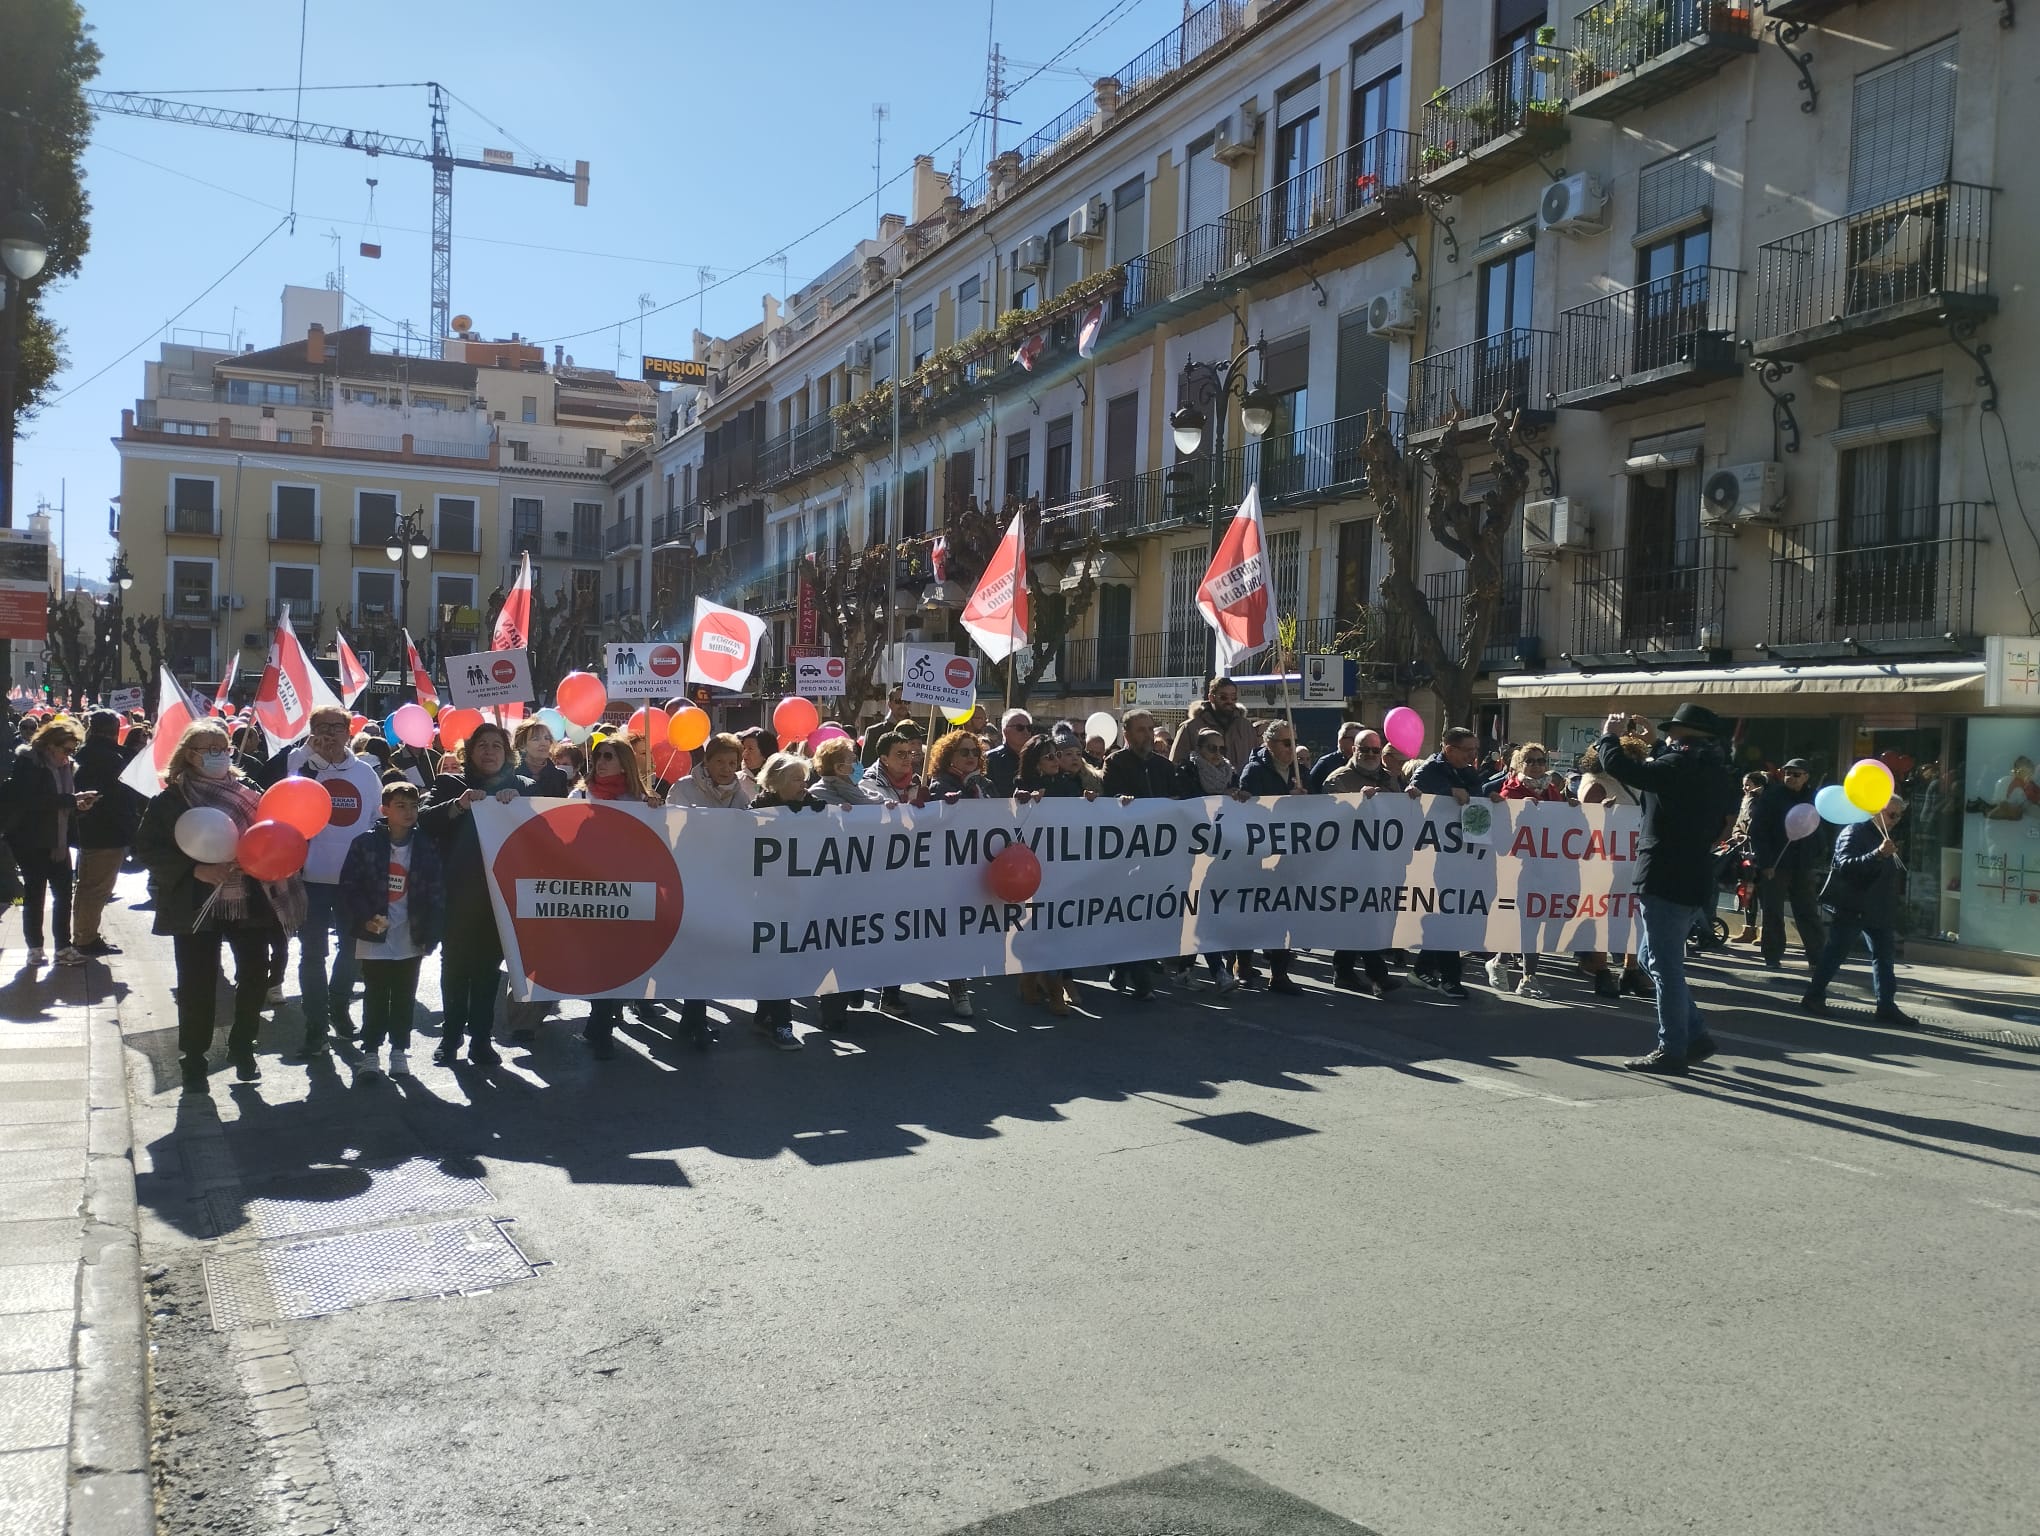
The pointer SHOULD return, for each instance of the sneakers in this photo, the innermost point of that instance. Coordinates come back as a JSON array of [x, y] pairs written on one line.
[[367, 1069], [1498, 975], [246, 1068], [98, 949], [315, 1043], [891, 1000], [1531, 987], [959, 999], [1223, 982], [447, 1054], [1659, 1064], [1605, 985], [1889, 1013], [400, 1063], [786, 1040], [343, 1028], [38, 956], [483, 1054], [1814, 1003], [706, 1039], [1428, 980], [1453, 990], [70, 955], [1053, 997], [1699, 1050]]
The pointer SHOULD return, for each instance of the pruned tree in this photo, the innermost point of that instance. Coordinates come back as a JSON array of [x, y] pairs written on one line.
[[88, 647], [1052, 618], [850, 605], [1476, 531], [144, 640]]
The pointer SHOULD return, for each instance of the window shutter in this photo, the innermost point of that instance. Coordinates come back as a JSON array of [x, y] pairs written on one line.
[[1902, 130], [1285, 366], [1675, 188], [1122, 422], [1129, 221], [1363, 367], [1887, 402]]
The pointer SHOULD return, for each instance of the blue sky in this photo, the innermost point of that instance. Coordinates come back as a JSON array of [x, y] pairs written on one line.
[[717, 133]]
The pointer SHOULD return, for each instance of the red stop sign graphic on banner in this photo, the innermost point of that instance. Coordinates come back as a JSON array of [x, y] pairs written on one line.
[[722, 646], [346, 802], [504, 671], [832, 668], [664, 661], [959, 673], [594, 897]]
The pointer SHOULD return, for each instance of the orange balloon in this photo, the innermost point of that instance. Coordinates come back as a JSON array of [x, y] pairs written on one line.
[[582, 698], [689, 728], [795, 720], [457, 724], [651, 722], [300, 804]]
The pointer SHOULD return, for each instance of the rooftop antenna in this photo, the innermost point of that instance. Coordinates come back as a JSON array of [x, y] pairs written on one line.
[[337, 278], [703, 276], [645, 302], [879, 113]]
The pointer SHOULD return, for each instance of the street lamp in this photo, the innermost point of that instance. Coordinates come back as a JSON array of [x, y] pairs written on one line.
[[24, 248], [119, 579], [24, 245], [1199, 424], [407, 538]]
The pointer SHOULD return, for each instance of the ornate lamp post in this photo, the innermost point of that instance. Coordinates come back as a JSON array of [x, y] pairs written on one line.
[[1199, 424], [119, 579], [408, 542]]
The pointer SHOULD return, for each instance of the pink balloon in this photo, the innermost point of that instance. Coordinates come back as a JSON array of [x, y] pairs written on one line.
[[1403, 728], [413, 725], [822, 735]]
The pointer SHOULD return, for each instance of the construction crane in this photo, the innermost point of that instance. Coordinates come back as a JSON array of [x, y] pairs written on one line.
[[438, 153]]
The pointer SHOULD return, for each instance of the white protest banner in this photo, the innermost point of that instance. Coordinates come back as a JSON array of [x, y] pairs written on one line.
[[489, 678], [939, 679], [616, 900], [818, 677], [124, 699], [645, 669]]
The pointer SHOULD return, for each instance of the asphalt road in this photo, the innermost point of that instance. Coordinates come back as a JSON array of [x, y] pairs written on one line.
[[1196, 1266]]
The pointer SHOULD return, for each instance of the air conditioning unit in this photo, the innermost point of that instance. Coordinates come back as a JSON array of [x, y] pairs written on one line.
[[1232, 139], [1034, 253], [857, 357], [1393, 312], [1087, 224], [225, 604], [1574, 205], [1553, 525], [1743, 493], [502, 416]]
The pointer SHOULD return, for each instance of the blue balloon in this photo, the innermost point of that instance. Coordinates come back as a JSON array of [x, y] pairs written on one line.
[[1834, 805]]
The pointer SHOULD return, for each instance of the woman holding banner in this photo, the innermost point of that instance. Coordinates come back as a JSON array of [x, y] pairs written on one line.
[[716, 782], [955, 772], [471, 963]]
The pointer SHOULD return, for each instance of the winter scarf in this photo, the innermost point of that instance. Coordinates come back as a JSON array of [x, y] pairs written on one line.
[[837, 789], [1212, 778], [614, 786], [64, 772], [238, 799]]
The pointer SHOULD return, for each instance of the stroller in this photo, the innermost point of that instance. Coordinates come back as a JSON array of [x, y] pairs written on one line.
[[1736, 872]]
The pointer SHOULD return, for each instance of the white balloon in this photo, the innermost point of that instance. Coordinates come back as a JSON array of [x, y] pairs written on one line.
[[206, 835], [1102, 724]]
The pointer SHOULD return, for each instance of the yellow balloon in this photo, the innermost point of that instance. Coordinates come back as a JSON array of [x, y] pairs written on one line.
[[958, 717], [596, 740], [1869, 786]]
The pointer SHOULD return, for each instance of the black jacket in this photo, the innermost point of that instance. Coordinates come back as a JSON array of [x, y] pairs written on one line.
[[1769, 844], [452, 825], [1002, 767], [1262, 777], [1324, 768], [112, 822], [1145, 778], [1863, 884], [175, 890], [1435, 776], [552, 782], [363, 889], [32, 803], [1689, 796]]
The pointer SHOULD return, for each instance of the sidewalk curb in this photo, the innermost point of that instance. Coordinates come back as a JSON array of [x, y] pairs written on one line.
[[111, 1490]]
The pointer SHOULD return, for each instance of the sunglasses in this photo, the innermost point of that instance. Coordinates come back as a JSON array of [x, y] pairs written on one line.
[[1535, 762]]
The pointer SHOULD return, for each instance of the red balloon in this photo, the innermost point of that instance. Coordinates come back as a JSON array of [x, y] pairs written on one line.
[[1015, 875], [795, 719], [650, 723], [669, 762], [301, 803], [674, 706], [357, 725], [271, 850], [582, 698], [457, 724]]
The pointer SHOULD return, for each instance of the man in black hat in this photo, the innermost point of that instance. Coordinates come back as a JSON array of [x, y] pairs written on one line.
[[1689, 797], [1786, 869]]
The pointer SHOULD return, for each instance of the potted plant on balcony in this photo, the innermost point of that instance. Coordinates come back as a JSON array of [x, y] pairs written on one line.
[[1728, 18], [1436, 155]]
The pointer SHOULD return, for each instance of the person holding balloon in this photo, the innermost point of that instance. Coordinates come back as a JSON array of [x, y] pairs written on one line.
[[1865, 891], [1782, 820], [217, 872], [328, 794], [472, 964]]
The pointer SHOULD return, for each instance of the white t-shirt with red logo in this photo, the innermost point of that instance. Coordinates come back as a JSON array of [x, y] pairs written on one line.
[[355, 785], [396, 942]]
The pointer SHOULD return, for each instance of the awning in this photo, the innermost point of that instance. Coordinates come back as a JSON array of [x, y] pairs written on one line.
[[1715, 682]]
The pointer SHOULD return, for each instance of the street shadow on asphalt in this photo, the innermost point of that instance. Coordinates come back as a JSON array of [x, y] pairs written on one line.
[[883, 1087]]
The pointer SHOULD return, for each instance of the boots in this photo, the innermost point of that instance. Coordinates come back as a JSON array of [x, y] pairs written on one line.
[[1030, 988], [1053, 996]]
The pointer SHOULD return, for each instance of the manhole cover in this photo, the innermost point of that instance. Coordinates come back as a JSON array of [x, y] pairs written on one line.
[[323, 1275], [1199, 1498], [329, 1198]]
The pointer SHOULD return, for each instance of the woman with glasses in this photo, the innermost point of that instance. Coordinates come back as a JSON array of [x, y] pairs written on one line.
[[956, 772], [1529, 778], [614, 773]]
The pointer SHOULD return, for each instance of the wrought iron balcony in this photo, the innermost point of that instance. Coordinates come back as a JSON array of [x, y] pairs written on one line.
[[624, 536], [1182, 273], [1629, 53], [196, 522], [1650, 603], [1516, 637], [1362, 187], [1516, 365], [584, 549], [1916, 262], [1657, 337], [1899, 583], [1504, 117], [1802, 10], [195, 605]]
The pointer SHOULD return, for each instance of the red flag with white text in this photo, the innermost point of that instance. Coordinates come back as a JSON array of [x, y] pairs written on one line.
[[290, 690], [421, 680], [175, 709], [1234, 596], [513, 627], [353, 675], [996, 615], [223, 701]]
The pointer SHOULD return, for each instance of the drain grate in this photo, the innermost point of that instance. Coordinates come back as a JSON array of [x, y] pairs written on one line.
[[2013, 1039], [334, 1196], [323, 1275]]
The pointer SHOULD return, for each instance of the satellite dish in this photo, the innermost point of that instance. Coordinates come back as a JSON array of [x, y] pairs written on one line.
[[463, 323]]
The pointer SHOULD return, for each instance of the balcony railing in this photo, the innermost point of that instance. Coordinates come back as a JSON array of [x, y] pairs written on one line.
[[1893, 582], [1628, 53], [1901, 265], [1516, 365], [1501, 118], [584, 549], [193, 603], [1516, 634], [200, 522], [628, 534], [1650, 599], [1647, 340], [1302, 213]]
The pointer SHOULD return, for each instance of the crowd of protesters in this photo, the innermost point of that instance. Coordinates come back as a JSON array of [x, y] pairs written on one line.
[[383, 889]]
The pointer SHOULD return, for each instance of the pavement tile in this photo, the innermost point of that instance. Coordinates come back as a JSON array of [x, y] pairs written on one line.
[[32, 1492], [39, 1287], [42, 1197], [36, 1341], [35, 1410], [68, 1091], [47, 1064], [43, 1037], [41, 1111], [48, 1164], [44, 1137], [39, 1241]]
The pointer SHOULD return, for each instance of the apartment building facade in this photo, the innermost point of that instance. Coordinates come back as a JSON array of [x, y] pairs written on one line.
[[1737, 264], [262, 479]]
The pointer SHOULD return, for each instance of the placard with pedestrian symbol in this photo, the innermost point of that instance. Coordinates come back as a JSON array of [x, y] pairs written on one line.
[[645, 669], [488, 678]]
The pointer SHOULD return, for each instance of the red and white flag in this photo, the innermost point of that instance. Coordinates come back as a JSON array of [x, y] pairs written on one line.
[[223, 701], [1029, 350], [513, 627], [938, 557], [421, 680], [290, 690], [725, 645], [1234, 596], [175, 709], [1087, 333], [353, 675], [996, 615]]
